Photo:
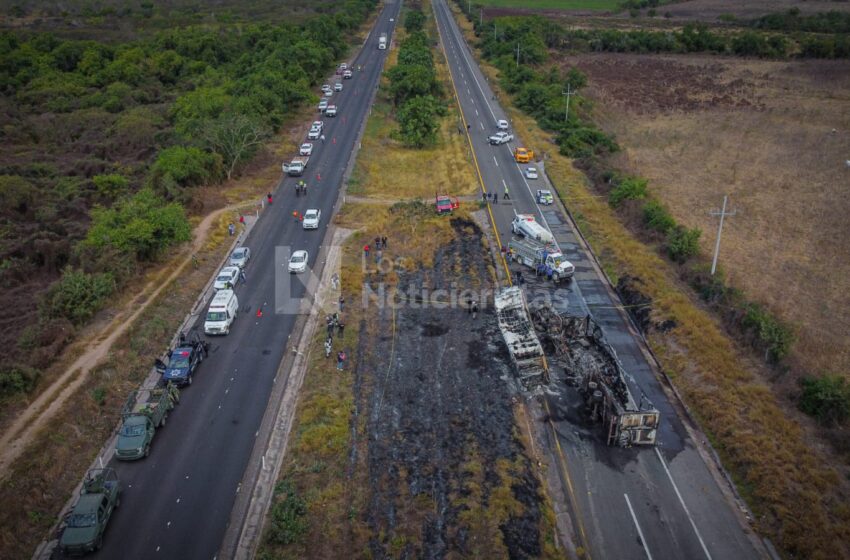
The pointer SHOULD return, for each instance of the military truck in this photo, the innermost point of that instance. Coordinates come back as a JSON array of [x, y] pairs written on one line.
[[85, 524], [144, 412]]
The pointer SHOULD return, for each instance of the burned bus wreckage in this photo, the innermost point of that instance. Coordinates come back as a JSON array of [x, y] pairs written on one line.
[[578, 345]]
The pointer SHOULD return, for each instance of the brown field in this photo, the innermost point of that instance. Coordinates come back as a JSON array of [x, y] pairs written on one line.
[[775, 137]]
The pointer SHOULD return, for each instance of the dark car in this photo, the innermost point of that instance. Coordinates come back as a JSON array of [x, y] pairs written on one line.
[[183, 362]]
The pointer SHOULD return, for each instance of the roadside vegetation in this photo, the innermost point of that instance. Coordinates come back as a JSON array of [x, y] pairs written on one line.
[[329, 495], [757, 435], [106, 146]]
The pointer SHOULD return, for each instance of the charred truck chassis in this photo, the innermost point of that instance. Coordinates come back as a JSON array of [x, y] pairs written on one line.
[[578, 345], [523, 344]]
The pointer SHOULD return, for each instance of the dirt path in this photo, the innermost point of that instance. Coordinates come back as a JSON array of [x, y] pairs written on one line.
[[36, 415]]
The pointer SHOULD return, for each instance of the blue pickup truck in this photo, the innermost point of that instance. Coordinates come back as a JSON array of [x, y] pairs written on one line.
[[183, 361]]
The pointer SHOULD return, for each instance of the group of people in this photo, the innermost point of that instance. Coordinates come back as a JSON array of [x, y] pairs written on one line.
[[491, 197], [379, 246], [334, 323]]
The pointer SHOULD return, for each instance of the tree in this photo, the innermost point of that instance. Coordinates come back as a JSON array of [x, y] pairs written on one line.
[[410, 81], [414, 21], [188, 166], [110, 186], [419, 120], [235, 137], [77, 295]]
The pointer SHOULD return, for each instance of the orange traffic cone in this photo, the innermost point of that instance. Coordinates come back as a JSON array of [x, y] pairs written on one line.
[[259, 312]]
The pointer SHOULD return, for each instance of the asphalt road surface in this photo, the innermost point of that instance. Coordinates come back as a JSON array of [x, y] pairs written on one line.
[[638, 503], [177, 502]]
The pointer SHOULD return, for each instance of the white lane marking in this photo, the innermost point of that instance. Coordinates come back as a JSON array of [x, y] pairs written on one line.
[[640, 533], [482, 126], [504, 184], [681, 501], [494, 159], [476, 112]]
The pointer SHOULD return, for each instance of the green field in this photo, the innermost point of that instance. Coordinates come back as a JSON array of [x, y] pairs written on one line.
[[601, 5]]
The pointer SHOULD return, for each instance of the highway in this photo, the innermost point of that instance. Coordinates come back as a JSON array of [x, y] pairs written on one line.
[[639, 503], [177, 502]]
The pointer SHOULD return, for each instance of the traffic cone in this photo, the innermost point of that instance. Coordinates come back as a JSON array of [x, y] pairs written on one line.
[[318, 176], [334, 139], [259, 312]]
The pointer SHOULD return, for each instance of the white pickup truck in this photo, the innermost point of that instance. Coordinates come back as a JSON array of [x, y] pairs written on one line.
[[500, 138], [526, 225], [296, 167]]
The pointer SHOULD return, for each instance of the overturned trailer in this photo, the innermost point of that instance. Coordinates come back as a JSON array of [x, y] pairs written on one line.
[[523, 344], [578, 345]]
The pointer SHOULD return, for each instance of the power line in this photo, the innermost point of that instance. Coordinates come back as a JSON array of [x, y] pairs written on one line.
[[568, 93]]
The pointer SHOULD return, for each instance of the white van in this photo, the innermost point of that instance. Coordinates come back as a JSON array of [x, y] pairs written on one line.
[[222, 312]]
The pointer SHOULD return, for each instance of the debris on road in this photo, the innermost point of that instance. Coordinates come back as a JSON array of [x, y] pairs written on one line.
[[578, 345]]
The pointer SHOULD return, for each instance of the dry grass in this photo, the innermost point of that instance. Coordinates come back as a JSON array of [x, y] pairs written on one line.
[[774, 136]]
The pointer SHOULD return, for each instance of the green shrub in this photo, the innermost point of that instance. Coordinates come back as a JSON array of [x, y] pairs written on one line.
[[657, 217], [414, 21], [111, 186], [78, 295], [143, 225], [683, 243], [770, 334], [17, 379], [188, 166], [287, 515], [630, 188], [826, 398]]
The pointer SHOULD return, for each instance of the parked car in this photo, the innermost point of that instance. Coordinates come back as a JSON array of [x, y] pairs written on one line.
[[240, 256], [298, 261], [330, 111], [86, 523], [314, 134], [347, 75], [184, 361], [531, 173], [306, 149], [326, 88], [502, 124], [318, 124], [545, 197], [228, 275], [311, 218], [338, 86], [500, 138], [329, 93], [323, 104]]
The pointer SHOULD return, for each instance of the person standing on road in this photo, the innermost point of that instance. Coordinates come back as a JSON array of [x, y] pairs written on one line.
[[507, 195], [231, 229], [340, 359], [328, 347], [469, 305], [366, 250], [322, 138], [474, 309], [377, 242], [340, 326], [484, 197], [242, 275], [495, 198]]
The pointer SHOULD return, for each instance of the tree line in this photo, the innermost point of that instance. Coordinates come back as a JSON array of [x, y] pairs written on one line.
[[110, 142], [414, 88]]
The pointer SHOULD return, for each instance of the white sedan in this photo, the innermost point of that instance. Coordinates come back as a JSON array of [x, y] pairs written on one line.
[[323, 104], [314, 134], [228, 275], [311, 218], [298, 261], [502, 124], [306, 149], [240, 256], [338, 86], [531, 173]]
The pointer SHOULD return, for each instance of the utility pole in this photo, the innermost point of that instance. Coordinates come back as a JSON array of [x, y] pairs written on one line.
[[568, 93], [480, 16], [517, 55], [495, 34], [469, 7], [722, 213]]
